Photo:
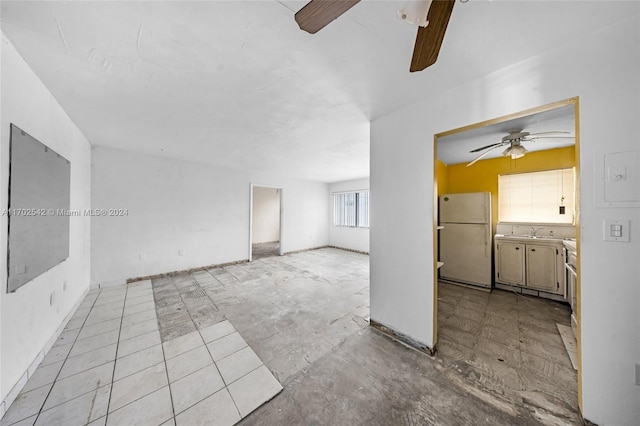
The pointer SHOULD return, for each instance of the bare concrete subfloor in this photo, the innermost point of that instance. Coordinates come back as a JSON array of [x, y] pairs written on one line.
[[305, 316], [262, 250]]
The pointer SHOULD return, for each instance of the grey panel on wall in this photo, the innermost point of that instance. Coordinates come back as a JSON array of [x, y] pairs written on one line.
[[39, 203]]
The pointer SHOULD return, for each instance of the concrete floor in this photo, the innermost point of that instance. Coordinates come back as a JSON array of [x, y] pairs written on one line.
[[366, 378], [262, 250], [304, 316]]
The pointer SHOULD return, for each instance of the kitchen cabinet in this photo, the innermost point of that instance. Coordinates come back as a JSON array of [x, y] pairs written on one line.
[[536, 265], [510, 268], [542, 270]]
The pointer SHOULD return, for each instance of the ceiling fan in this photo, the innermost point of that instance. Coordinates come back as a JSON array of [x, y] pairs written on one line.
[[514, 139], [431, 17]]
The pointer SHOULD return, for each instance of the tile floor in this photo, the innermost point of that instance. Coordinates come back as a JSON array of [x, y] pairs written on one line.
[[114, 364]]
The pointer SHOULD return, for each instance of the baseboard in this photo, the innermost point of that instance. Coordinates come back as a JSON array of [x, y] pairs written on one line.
[[15, 390], [185, 271], [264, 242], [303, 250], [348, 249], [403, 338]]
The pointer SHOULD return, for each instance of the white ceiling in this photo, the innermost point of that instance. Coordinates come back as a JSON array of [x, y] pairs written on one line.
[[238, 84], [454, 149]]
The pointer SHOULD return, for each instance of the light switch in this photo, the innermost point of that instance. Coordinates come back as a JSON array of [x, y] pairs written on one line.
[[622, 176], [616, 230]]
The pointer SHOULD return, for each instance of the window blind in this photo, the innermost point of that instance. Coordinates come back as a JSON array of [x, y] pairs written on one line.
[[351, 209], [537, 197]]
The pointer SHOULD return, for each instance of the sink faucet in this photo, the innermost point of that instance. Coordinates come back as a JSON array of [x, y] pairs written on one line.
[[534, 230]]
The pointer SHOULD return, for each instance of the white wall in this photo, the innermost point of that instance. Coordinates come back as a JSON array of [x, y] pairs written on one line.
[[603, 70], [266, 215], [177, 205], [346, 237], [28, 322]]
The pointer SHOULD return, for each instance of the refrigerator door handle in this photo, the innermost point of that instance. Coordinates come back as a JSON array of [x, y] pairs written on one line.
[[486, 246]]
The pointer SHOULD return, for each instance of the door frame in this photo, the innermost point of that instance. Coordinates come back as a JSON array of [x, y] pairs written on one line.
[[281, 234], [575, 101]]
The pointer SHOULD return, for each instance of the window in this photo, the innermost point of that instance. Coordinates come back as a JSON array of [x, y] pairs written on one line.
[[540, 197], [351, 209]]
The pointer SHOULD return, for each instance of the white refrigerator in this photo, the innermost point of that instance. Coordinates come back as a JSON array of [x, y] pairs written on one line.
[[465, 239]]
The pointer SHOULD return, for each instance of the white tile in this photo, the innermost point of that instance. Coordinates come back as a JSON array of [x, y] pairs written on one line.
[[88, 360], [94, 342], [170, 422], [78, 411], [188, 362], [137, 300], [238, 364], [132, 308], [26, 405], [137, 385], [26, 422], [139, 317], [43, 375], [216, 410], [216, 331], [138, 361], [102, 421], [153, 409], [225, 346], [141, 292], [138, 329], [114, 301], [254, 389], [138, 284], [195, 387], [66, 337], [182, 344], [80, 313], [144, 341], [56, 353], [96, 317], [95, 329], [74, 324], [78, 384], [115, 289], [88, 302]]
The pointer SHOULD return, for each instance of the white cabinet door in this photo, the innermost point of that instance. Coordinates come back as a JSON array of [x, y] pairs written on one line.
[[542, 268], [510, 263]]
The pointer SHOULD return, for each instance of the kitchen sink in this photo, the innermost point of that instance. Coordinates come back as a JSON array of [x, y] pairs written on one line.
[[528, 237]]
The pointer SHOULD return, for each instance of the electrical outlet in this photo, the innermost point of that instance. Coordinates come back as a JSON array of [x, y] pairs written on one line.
[[52, 298], [180, 252], [64, 286]]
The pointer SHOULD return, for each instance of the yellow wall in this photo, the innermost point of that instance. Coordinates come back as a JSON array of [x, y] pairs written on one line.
[[483, 175], [442, 177]]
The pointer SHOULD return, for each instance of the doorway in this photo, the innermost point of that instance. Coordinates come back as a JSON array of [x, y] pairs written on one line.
[[506, 333], [265, 222]]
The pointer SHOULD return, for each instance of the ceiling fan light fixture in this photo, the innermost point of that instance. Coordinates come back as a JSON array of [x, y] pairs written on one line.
[[515, 151], [415, 12]]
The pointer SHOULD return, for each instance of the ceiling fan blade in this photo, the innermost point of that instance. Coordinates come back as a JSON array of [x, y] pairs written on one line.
[[546, 134], [317, 14], [489, 146], [478, 158], [429, 39], [535, 138]]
